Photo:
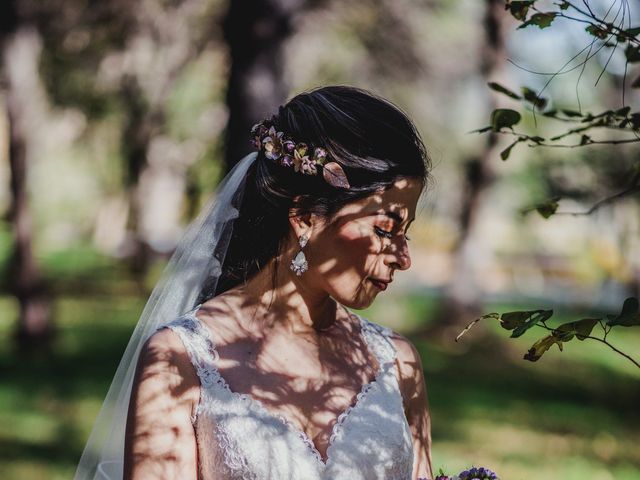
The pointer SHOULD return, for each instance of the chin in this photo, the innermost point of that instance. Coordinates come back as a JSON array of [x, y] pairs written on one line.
[[356, 302], [361, 305]]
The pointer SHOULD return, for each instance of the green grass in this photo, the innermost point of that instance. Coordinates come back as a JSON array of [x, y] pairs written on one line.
[[571, 415], [48, 403]]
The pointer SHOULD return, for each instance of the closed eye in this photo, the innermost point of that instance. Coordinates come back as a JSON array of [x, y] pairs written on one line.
[[383, 233], [387, 234]]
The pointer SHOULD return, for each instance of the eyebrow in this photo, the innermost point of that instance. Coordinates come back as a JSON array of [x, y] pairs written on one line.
[[395, 216]]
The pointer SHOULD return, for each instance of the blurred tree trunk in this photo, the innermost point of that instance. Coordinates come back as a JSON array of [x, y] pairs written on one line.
[[256, 37], [462, 302], [148, 169], [141, 126], [21, 47]]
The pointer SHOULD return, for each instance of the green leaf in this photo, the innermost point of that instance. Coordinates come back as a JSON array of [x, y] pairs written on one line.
[[504, 155], [585, 140], [597, 31], [581, 329], [540, 347], [504, 118], [633, 32], [624, 111], [511, 320], [542, 20], [606, 113], [632, 54], [519, 9], [537, 317], [548, 208], [572, 113], [499, 88], [521, 321], [532, 97], [564, 5], [629, 316]]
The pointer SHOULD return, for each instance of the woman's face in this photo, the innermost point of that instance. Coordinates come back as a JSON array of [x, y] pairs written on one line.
[[354, 256]]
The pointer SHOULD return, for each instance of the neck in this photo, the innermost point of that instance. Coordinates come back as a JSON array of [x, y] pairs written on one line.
[[288, 304]]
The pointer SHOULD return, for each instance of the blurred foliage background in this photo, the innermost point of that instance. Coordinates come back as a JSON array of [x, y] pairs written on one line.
[[119, 118]]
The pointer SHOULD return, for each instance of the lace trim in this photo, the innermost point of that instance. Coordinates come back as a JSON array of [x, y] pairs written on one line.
[[200, 347], [377, 337]]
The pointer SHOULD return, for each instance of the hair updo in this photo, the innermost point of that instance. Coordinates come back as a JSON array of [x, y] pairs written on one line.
[[372, 139]]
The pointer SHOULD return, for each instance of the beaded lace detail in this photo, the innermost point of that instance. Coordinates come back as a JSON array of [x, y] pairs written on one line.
[[377, 411]]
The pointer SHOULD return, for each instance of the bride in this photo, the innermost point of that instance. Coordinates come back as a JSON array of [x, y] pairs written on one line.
[[247, 362]]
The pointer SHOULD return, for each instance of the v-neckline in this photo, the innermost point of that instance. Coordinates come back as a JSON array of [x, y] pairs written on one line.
[[260, 406]]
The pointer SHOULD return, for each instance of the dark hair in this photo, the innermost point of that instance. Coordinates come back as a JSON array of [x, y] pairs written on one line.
[[372, 139]]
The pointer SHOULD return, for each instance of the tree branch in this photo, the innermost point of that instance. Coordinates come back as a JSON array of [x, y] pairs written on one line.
[[602, 341]]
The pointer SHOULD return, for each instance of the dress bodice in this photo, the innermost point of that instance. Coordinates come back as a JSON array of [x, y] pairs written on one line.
[[239, 438]]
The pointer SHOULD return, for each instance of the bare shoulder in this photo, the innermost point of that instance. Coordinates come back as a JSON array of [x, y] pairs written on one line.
[[165, 353], [410, 378], [408, 356], [159, 439]]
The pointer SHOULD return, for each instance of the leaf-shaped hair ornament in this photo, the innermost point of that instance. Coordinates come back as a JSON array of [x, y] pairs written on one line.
[[281, 148], [334, 175]]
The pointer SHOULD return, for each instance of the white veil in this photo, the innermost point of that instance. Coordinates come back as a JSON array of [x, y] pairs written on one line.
[[195, 266]]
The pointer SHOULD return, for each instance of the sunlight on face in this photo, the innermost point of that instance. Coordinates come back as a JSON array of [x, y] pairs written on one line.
[[362, 247]]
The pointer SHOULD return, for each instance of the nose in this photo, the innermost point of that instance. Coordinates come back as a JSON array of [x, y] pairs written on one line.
[[400, 258]]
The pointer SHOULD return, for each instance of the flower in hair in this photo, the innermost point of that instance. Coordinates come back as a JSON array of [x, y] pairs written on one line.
[[302, 162], [273, 144], [304, 158]]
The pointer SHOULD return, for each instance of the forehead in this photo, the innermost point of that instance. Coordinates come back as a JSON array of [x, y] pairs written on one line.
[[399, 200]]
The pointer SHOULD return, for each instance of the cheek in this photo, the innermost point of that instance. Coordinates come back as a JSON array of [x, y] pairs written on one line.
[[354, 246]]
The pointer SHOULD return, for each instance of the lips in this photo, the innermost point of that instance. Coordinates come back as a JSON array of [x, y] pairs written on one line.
[[381, 284]]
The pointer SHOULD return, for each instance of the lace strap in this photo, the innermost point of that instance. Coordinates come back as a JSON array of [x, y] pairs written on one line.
[[196, 339], [377, 337]]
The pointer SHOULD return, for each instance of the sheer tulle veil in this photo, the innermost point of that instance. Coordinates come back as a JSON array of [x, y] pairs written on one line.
[[195, 267]]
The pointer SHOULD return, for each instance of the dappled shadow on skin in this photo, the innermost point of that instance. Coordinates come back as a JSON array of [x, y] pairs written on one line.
[[158, 432], [307, 378], [309, 393], [305, 375], [309, 403]]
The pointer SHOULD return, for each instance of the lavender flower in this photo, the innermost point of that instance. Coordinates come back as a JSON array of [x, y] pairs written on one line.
[[319, 156], [286, 160], [477, 474], [473, 473]]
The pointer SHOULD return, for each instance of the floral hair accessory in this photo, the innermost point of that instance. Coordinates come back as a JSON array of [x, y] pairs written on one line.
[[282, 149]]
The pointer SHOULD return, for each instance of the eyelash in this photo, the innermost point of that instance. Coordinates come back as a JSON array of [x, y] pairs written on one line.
[[384, 233]]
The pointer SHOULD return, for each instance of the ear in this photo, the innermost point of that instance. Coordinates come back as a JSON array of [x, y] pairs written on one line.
[[301, 224]]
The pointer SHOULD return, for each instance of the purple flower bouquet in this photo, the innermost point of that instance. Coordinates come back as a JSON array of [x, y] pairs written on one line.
[[473, 473]]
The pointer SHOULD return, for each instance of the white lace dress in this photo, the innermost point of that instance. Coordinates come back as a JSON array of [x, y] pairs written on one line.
[[238, 438]]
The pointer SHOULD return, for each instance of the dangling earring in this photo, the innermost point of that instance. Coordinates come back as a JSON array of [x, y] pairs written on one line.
[[299, 264]]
